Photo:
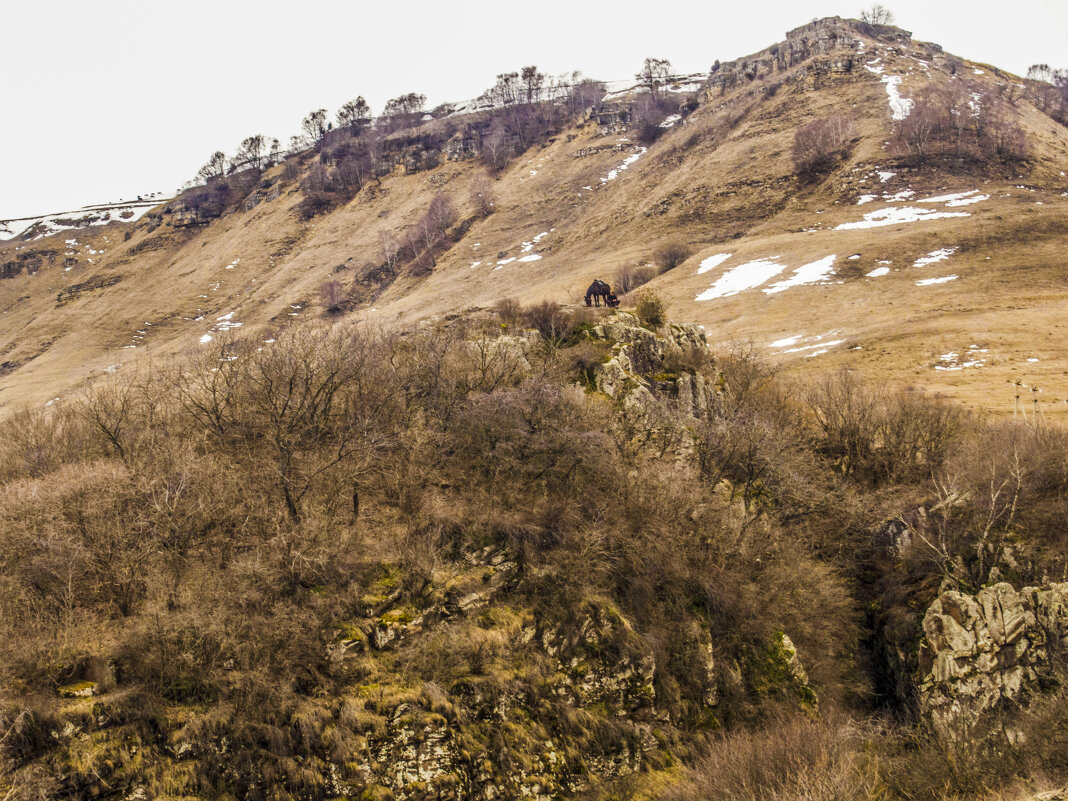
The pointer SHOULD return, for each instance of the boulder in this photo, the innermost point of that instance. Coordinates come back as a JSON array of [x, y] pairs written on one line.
[[988, 651]]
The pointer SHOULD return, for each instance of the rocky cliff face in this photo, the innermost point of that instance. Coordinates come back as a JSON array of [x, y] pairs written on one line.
[[638, 365], [987, 652]]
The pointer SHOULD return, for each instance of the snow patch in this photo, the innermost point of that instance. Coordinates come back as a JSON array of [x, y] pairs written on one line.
[[49, 224], [930, 281], [896, 215], [934, 257], [899, 106], [878, 271], [818, 272], [629, 160], [745, 276], [824, 345], [954, 361], [712, 262]]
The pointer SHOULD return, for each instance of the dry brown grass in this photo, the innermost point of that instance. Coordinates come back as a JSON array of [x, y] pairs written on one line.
[[734, 181]]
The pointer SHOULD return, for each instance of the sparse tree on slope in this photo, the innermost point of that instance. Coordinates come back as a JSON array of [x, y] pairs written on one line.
[[215, 167], [877, 14], [251, 152], [403, 111], [315, 126], [354, 114], [411, 103], [533, 81], [654, 72]]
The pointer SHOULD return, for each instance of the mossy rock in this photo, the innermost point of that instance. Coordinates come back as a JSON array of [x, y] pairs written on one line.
[[80, 689], [350, 633], [396, 616], [376, 792]]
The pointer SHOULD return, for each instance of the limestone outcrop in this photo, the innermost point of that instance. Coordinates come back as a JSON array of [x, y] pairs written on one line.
[[636, 367], [988, 651]]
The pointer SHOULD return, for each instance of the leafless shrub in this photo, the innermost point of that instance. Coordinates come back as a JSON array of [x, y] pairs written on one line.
[[794, 759], [631, 276], [508, 309], [959, 122], [549, 319], [820, 144], [482, 195], [670, 255], [332, 295]]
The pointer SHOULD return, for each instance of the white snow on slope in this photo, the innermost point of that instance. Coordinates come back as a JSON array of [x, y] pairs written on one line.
[[526, 247], [224, 323], [943, 280], [818, 272], [782, 343], [878, 271], [49, 224], [745, 276], [531, 257], [897, 215], [934, 256], [633, 157], [712, 262], [957, 199], [899, 106], [953, 361], [823, 345]]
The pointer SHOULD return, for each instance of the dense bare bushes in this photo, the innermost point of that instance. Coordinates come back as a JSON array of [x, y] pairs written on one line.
[[958, 121], [822, 143], [878, 435], [631, 276], [1047, 88], [670, 255], [198, 535]]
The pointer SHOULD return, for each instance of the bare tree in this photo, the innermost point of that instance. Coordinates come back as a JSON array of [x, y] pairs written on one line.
[[251, 152], [215, 167], [315, 126], [410, 103], [507, 91], [497, 146], [390, 247], [877, 14], [821, 143], [533, 81], [333, 296], [432, 226], [482, 194], [653, 73], [354, 114]]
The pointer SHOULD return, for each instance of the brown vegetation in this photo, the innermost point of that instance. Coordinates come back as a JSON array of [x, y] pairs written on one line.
[[821, 144], [192, 538]]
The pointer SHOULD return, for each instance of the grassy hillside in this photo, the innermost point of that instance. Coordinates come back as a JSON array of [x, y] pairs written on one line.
[[719, 181]]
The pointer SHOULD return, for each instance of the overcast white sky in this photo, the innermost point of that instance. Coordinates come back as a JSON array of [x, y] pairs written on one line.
[[106, 99]]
